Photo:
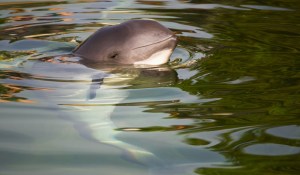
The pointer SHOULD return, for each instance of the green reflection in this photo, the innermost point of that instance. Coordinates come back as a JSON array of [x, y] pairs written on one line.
[[252, 66], [11, 55]]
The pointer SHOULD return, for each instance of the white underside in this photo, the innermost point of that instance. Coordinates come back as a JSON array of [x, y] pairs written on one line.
[[157, 58]]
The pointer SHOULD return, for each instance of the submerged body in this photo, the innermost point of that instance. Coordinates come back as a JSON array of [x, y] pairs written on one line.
[[138, 42], [107, 57]]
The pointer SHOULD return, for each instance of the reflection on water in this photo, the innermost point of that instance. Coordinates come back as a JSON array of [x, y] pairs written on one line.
[[236, 111]]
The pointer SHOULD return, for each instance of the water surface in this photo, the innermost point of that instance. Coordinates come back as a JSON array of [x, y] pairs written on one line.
[[235, 111]]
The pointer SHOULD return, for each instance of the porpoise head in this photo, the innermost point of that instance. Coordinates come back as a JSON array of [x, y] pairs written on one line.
[[138, 42]]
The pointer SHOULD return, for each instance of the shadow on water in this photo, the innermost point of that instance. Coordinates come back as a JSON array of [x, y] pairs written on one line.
[[236, 111]]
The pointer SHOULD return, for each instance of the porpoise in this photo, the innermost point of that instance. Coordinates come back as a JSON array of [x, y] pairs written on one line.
[[135, 42], [106, 53]]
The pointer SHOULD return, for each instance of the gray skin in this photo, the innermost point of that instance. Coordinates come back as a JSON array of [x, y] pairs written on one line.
[[129, 43]]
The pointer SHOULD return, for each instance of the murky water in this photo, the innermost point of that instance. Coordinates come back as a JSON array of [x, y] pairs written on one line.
[[236, 111]]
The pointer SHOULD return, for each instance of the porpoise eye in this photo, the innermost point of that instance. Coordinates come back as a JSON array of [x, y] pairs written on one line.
[[113, 55]]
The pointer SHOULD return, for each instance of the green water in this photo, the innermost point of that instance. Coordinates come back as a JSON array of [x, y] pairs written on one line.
[[236, 111]]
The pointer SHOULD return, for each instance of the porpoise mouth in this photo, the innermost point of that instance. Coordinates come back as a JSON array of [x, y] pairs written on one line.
[[157, 42], [160, 57]]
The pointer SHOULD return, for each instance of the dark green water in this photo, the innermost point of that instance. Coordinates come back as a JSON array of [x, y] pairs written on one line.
[[236, 111]]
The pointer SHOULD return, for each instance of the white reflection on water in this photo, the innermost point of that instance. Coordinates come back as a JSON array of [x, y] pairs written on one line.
[[262, 7], [271, 149], [290, 131]]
